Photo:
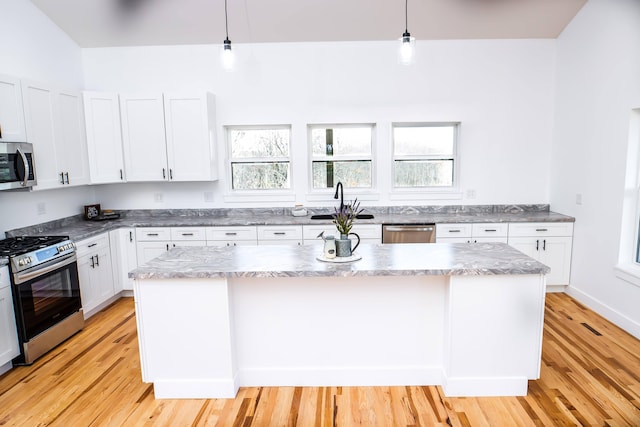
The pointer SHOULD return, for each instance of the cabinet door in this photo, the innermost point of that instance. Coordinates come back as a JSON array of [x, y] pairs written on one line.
[[40, 118], [528, 245], [146, 251], [143, 138], [123, 257], [190, 136], [8, 333], [556, 253], [104, 137], [11, 110], [71, 145], [96, 278]]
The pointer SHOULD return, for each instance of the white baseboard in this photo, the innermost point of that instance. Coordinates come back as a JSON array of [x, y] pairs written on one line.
[[605, 311]]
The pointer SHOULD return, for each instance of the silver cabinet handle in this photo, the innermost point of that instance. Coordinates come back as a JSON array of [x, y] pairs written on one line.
[[391, 228], [131, 236], [66, 174], [121, 175], [187, 234], [542, 229], [152, 234], [279, 233], [62, 178], [455, 231], [231, 233], [170, 174], [487, 230], [164, 174]]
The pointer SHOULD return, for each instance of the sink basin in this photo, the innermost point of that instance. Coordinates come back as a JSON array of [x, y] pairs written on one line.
[[322, 216], [330, 216]]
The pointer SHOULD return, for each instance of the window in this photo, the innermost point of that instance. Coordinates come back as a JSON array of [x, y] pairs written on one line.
[[341, 153], [259, 157], [424, 155]]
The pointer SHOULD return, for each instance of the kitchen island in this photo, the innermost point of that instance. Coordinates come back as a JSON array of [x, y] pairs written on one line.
[[468, 317]]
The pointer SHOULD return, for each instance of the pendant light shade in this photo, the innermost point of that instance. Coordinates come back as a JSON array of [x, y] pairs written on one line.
[[406, 52], [227, 56]]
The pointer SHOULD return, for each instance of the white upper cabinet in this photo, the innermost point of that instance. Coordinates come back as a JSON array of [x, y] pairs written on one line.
[[145, 153], [169, 138], [190, 132], [104, 137], [55, 126], [11, 112]]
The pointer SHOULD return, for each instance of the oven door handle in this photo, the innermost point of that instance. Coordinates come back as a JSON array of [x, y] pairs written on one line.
[[44, 269]]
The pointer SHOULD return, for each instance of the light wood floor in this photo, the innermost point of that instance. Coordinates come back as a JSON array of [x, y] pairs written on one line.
[[590, 376]]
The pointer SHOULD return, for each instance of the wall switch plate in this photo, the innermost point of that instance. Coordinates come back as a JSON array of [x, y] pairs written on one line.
[[41, 208], [578, 199], [208, 196], [157, 197]]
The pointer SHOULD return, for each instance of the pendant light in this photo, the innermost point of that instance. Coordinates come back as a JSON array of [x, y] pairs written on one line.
[[406, 53], [227, 54]]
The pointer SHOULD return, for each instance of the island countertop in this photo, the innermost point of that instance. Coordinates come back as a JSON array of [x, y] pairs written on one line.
[[450, 259]]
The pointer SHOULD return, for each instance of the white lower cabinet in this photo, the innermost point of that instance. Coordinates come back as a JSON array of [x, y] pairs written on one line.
[[152, 242], [279, 234], [95, 273], [549, 243], [232, 235], [123, 257], [8, 332], [472, 233]]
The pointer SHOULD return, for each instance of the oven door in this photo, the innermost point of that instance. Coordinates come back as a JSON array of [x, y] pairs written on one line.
[[46, 295]]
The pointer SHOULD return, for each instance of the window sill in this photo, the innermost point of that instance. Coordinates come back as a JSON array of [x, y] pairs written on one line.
[[629, 272], [350, 194]]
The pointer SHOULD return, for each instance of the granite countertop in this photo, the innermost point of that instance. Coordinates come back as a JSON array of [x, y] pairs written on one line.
[[377, 260], [77, 228]]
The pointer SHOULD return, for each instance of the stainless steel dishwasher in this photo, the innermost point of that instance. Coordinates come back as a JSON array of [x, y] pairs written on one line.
[[408, 233]]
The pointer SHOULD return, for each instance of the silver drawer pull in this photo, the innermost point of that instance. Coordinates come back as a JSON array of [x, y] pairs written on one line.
[[490, 229], [187, 234], [455, 231], [231, 234], [541, 229], [152, 234], [279, 233]]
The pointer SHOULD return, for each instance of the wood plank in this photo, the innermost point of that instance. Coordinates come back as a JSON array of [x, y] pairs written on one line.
[[590, 375]]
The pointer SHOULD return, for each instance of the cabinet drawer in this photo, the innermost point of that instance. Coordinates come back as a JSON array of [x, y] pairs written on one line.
[[284, 232], [151, 234], [541, 229], [453, 230], [231, 233], [365, 231], [92, 244], [490, 230], [188, 233]]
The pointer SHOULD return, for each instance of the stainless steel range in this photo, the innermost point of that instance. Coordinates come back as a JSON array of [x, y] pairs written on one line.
[[46, 292]]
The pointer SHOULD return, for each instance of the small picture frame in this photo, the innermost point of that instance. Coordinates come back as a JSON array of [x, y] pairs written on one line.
[[91, 211]]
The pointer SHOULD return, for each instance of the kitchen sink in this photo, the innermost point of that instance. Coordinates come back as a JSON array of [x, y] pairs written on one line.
[[330, 216]]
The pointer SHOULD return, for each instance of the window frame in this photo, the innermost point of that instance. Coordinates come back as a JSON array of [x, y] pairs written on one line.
[[251, 193], [452, 190], [371, 157]]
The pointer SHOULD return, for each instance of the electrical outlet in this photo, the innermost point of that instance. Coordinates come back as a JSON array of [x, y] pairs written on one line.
[[41, 208], [157, 197], [208, 196], [471, 194], [578, 198]]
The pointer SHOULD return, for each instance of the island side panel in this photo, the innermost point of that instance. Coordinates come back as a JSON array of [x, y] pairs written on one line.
[[346, 331], [184, 330], [493, 338]]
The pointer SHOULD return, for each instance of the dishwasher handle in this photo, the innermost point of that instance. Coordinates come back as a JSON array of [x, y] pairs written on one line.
[[400, 228]]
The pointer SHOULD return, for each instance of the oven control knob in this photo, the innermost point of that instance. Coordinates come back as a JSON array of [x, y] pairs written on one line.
[[21, 262]]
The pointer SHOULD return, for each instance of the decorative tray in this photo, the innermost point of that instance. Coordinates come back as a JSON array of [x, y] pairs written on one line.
[[339, 259]]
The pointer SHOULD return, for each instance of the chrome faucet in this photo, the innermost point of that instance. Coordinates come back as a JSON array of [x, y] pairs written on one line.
[[335, 196]]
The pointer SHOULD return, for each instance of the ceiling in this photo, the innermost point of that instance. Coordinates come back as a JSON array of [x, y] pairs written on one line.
[[104, 23]]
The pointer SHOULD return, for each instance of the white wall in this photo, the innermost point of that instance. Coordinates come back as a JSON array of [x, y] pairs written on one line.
[[32, 47], [598, 85], [501, 91]]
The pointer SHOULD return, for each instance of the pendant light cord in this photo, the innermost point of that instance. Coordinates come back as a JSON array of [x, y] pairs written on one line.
[[406, 16], [226, 20]]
